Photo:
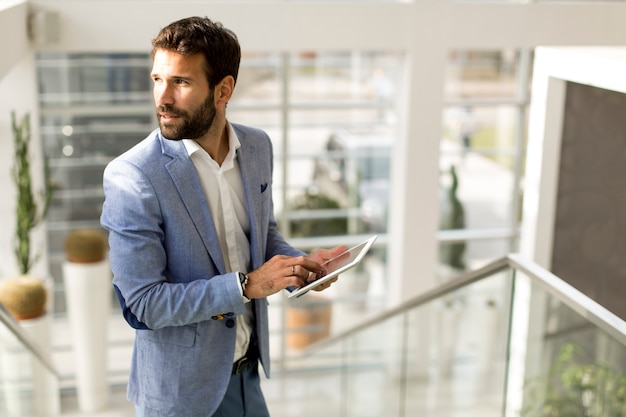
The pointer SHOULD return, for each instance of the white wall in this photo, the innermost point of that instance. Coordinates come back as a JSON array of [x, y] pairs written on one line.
[[14, 34], [19, 93], [424, 29]]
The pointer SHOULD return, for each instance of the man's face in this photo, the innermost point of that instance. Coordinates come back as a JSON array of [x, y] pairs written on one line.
[[184, 102]]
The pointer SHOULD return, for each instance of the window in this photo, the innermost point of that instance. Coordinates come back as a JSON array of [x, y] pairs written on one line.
[[483, 143], [326, 112]]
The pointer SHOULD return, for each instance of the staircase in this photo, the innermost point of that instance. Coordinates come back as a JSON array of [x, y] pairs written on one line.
[[493, 342]]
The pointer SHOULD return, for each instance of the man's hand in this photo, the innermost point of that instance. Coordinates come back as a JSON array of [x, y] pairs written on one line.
[[281, 272], [321, 256]]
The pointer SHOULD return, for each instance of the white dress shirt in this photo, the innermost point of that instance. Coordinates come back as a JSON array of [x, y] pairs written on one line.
[[224, 191]]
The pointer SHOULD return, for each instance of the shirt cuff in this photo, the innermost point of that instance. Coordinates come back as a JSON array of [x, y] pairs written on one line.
[[243, 297]]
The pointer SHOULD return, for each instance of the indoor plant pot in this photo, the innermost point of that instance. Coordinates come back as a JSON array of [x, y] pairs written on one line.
[[25, 296], [87, 279]]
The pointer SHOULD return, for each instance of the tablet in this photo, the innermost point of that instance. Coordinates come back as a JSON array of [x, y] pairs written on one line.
[[337, 265]]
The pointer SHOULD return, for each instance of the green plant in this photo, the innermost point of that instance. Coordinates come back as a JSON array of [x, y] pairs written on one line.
[[320, 226], [575, 386], [30, 212], [453, 253]]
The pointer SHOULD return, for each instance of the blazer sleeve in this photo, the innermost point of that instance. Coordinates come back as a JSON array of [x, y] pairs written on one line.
[[151, 294]]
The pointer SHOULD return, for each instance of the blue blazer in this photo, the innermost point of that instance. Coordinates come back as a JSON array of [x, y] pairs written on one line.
[[169, 273]]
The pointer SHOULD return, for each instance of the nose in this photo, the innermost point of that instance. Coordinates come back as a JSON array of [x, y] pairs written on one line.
[[163, 94]]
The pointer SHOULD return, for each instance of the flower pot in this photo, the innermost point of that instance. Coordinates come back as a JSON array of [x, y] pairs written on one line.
[[308, 321]]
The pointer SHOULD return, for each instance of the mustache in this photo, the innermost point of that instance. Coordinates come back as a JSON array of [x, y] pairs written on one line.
[[166, 108]]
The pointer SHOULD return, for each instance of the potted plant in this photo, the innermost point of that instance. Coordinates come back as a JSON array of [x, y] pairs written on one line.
[[87, 279], [25, 296], [576, 385], [308, 320]]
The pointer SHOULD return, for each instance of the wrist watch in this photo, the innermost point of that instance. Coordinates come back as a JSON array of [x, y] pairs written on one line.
[[243, 281]]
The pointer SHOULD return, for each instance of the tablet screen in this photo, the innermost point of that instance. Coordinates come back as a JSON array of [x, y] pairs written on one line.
[[337, 265]]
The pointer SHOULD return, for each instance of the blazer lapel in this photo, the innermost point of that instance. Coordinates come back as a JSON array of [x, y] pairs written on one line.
[[187, 183], [248, 167], [256, 186]]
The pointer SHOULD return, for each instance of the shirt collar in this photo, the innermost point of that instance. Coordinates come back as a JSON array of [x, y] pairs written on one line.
[[233, 144]]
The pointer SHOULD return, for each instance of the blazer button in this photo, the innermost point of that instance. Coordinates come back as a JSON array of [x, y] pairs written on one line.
[[230, 323]]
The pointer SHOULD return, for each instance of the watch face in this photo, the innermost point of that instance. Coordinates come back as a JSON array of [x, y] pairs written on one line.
[[243, 280]]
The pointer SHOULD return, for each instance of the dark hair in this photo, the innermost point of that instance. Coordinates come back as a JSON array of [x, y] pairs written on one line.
[[193, 35]]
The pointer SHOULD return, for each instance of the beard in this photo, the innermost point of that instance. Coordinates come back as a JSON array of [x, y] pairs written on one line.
[[188, 126]]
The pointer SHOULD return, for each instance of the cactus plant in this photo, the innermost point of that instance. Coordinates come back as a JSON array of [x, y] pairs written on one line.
[[25, 296], [85, 246], [30, 213]]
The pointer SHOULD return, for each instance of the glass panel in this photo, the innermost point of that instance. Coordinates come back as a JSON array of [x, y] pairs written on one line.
[[309, 207], [481, 150], [434, 360], [78, 148], [358, 294], [96, 106], [451, 357], [373, 368], [94, 79], [489, 131], [85, 139], [27, 387], [259, 81], [350, 172], [478, 149], [572, 366], [340, 114], [268, 119], [344, 77], [474, 74], [456, 366], [343, 119], [312, 387], [456, 258]]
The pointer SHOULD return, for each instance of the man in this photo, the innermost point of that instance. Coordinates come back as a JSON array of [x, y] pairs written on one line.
[[193, 240]]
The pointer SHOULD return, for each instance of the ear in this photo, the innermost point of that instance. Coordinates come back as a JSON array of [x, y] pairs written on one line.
[[224, 91]]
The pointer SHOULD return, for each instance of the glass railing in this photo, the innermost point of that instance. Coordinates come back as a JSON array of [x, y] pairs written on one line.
[[510, 339], [28, 380]]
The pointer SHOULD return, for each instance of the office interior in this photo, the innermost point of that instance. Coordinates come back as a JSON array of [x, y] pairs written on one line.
[[459, 132]]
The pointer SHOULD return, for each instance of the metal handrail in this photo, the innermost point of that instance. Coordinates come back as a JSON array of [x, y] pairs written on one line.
[[570, 296], [7, 320], [561, 290]]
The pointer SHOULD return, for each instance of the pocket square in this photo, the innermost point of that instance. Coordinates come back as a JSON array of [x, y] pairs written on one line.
[[263, 187]]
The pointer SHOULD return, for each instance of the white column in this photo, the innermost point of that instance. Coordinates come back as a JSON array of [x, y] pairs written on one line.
[[87, 289], [28, 386], [414, 202], [46, 399]]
